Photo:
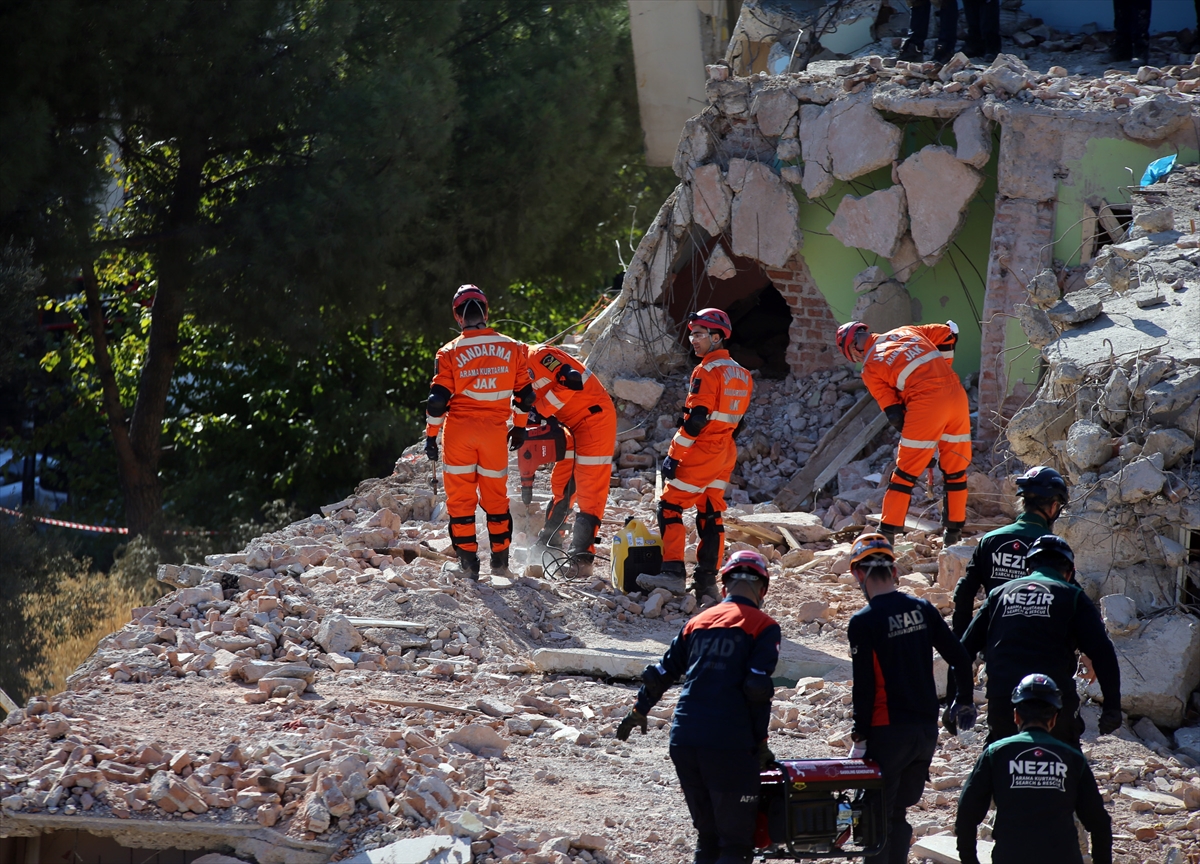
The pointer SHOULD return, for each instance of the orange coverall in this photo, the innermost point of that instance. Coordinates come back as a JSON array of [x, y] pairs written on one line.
[[910, 366], [481, 369], [705, 461], [590, 417], [562, 492]]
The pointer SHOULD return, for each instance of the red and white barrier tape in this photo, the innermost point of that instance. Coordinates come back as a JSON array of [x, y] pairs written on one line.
[[97, 529]]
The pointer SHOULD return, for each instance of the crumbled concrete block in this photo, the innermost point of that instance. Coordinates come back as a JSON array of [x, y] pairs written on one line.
[[641, 391], [973, 135], [477, 738], [814, 147], [1089, 445], [906, 260], [764, 222], [337, 635], [1076, 308], [887, 307], [720, 265], [1156, 220], [875, 222], [1171, 443], [1160, 667], [1133, 250], [1170, 397], [1043, 289], [711, 199], [1036, 324], [939, 189], [1119, 613], [429, 849], [1156, 118], [1141, 479], [773, 110], [869, 279], [952, 565], [860, 140]]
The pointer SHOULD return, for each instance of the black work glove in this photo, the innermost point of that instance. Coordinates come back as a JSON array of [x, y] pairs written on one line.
[[1110, 720], [964, 715], [668, 467], [516, 437], [431, 448], [765, 756], [950, 719], [895, 416], [633, 718]]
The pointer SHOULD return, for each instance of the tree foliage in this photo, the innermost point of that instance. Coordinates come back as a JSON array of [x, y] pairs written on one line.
[[269, 203]]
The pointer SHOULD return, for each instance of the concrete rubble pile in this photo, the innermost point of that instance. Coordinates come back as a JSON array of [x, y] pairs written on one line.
[[1118, 412], [329, 692]]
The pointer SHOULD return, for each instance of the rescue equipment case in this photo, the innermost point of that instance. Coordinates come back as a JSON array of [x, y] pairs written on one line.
[[635, 550]]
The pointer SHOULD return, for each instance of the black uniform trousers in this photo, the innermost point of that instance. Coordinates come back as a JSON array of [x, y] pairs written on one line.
[[1131, 21], [918, 27], [721, 790], [903, 754], [983, 27]]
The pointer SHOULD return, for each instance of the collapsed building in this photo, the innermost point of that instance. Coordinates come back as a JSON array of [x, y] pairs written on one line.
[[329, 692]]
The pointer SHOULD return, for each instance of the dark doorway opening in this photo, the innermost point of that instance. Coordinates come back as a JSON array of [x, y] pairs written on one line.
[[760, 315]]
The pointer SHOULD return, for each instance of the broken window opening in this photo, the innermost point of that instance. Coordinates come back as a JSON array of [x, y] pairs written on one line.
[[1189, 570], [761, 317], [1103, 225]]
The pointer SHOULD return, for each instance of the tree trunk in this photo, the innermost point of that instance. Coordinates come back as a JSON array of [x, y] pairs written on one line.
[[137, 442]]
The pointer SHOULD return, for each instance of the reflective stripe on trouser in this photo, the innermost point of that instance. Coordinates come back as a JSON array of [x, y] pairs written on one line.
[[562, 492], [474, 472], [700, 482], [938, 422]]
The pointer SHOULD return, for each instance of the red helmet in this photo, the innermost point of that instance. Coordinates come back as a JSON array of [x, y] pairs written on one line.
[[748, 566], [711, 319], [465, 295], [846, 336]]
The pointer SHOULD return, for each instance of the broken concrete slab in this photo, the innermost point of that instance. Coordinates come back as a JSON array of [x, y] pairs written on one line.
[[1169, 803], [860, 141], [804, 527], [1151, 735], [1155, 118], [814, 148], [1124, 330], [1160, 667], [952, 565], [1173, 444], [898, 99], [1076, 308], [973, 137], [720, 265], [624, 665], [943, 849], [875, 222], [1139, 480], [1037, 326], [764, 221], [1155, 220], [711, 199], [1089, 445], [1173, 395], [1133, 250], [641, 391], [885, 308], [431, 849], [337, 635], [1033, 428], [939, 188], [479, 739], [773, 110]]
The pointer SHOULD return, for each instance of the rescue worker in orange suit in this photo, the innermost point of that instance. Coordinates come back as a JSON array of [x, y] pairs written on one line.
[[908, 372], [701, 457], [481, 381], [564, 389], [562, 491]]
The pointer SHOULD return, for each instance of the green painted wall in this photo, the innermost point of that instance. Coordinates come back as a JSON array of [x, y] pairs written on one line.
[[954, 288], [1107, 166]]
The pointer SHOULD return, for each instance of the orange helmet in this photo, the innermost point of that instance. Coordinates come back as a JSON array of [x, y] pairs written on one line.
[[711, 319], [846, 336], [463, 297], [866, 545]]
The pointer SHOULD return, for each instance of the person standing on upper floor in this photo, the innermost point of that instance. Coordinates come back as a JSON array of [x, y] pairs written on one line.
[[983, 29], [1037, 624], [913, 49], [481, 381], [1131, 21], [894, 697], [564, 389], [701, 458], [908, 372]]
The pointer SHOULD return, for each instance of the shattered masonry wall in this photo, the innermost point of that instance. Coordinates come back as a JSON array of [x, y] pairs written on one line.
[[814, 329]]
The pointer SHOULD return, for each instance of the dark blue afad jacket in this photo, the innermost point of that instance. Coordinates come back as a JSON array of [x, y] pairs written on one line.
[[715, 653]]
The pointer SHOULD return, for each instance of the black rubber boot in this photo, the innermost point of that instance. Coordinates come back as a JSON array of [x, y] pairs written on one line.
[[583, 537], [499, 564], [468, 563], [704, 583], [672, 577], [911, 51]]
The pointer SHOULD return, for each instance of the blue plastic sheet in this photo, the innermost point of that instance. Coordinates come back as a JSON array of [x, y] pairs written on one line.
[[1158, 169]]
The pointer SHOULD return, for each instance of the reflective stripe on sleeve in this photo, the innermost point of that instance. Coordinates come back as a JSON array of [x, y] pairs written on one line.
[[540, 383], [725, 418], [916, 444], [458, 469], [682, 440], [949, 355], [713, 364], [902, 378], [593, 460], [486, 397], [434, 421], [554, 400], [498, 475]]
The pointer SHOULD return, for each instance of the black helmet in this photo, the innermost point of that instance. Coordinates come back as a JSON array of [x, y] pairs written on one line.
[[1043, 482], [1037, 688], [1050, 545]]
